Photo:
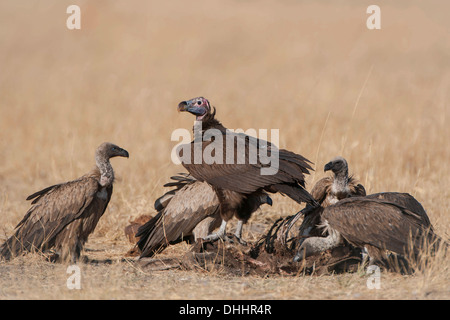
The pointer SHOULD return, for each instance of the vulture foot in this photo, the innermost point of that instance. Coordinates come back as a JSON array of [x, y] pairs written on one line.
[[214, 237], [217, 236], [235, 238], [220, 234]]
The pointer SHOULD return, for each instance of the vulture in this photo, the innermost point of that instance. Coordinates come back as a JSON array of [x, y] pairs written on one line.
[[385, 221], [236, 172], [63, 216], [328, 191], [187, 213]]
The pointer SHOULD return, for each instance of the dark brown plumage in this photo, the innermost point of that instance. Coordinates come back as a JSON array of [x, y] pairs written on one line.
[[180, 211], [62, 216], [186, 213], [406, 200], [235, 182], [379, 222]]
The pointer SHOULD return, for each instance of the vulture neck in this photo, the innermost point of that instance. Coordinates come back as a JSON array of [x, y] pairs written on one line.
[[106, 170], [208, 122], [340, 183]]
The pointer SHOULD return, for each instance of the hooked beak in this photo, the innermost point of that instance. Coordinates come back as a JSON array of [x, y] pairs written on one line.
[[124, 153], [328, 166], [269, 201], [191, 106], [298, 257]]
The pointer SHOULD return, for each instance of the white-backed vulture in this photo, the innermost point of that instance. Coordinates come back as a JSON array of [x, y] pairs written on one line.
[[330, 190], [236, 182], [379, 222], [62, 216], [186, 213]]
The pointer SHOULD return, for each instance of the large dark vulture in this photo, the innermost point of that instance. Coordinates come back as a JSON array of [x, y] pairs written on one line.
[[62, 216], [379, 222], [186, 213], [238, 166]]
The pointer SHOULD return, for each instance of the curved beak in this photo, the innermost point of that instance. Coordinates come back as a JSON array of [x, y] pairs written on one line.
[[328, 166], [298, 257], [269, 200], [191, 107], [182, 106]]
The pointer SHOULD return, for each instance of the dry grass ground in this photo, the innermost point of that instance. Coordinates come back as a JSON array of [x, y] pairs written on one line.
[[313, 70]]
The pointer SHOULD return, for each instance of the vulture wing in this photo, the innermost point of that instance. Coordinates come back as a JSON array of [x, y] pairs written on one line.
[[187, 207], [178, 182], [321, 189], [52, 210], [378, 223], [243, 174]]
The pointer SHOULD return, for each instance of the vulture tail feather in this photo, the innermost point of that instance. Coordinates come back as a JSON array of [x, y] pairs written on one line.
[[143, 234]]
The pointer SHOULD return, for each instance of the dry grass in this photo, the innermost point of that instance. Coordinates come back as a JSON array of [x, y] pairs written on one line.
[[314, 71]]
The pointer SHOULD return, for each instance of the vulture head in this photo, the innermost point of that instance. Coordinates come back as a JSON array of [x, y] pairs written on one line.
[[337, 165], [199, 107], [108, 150]]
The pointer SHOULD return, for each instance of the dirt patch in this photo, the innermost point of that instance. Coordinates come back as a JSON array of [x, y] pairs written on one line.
[[235, 259]]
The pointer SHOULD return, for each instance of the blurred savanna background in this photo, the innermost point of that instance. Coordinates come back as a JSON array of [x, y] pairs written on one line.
[[311, 69]]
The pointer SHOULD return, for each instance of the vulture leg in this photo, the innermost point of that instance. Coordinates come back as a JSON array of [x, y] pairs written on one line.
[[314, 245], [205, 227], [222, 234]]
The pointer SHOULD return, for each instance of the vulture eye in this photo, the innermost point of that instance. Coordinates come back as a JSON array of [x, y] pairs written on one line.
[[199, 102]]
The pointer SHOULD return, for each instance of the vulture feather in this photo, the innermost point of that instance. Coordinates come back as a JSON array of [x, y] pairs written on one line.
[[186, 213], [62, 216], [406, 200], [379, 222], [237, 182]]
